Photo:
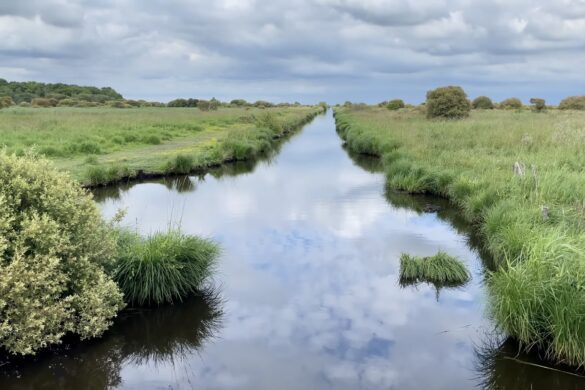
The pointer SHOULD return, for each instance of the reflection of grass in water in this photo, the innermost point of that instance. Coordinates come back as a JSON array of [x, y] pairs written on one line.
[[172, 331], [440, 270], [500, 366], [138, 336]]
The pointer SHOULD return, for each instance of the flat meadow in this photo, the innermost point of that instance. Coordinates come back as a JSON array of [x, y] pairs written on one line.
[[517, 175], [101, 145]]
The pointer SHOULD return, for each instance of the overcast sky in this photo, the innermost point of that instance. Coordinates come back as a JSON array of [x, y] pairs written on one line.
[[306, 50]]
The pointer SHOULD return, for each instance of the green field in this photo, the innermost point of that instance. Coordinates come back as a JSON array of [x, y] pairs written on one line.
[[101, 145], [518, 177]]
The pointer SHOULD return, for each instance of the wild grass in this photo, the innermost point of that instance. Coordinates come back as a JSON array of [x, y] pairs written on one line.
[[518, 177], [162, 267], [440, 269], [94, 143]]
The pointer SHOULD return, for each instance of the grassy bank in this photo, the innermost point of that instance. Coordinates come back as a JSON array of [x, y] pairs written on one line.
[[518, 176], [101, 145]]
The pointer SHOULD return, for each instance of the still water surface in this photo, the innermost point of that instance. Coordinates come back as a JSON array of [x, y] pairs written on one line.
[[306, 292]]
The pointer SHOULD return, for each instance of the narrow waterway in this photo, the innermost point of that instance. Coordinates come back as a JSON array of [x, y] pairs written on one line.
[[306, 295]]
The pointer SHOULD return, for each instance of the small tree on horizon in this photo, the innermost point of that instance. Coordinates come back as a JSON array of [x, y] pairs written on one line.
[[448, 103]]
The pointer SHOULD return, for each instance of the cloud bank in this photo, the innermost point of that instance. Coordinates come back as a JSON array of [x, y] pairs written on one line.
[[307, 50]]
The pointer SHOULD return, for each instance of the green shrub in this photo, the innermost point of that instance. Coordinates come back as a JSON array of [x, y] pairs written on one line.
[[573, 103], [6, 101], [511, 104], [152, 140], [538, 105], [447, 103], [395, 104], [43, 102], [482, 103], [163, 267], [53, 250]]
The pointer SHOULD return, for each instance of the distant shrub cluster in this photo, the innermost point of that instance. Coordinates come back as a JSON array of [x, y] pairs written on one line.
[[27, 91], [482, 103], [573, 103], [447, 103]]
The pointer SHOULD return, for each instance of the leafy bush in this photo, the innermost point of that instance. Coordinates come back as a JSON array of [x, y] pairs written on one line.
[[54, 247], [44, 102], [538, 105], [163, 267], [6, 101], [511, 104], [573, 103], [448, 103], [395, 104], [482, 103], [207, 105]]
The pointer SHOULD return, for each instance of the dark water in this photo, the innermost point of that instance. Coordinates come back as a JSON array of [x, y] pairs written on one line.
[[307, 293]]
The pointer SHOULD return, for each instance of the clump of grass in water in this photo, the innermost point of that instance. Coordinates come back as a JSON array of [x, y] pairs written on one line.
[[163, 267], [440, 270]]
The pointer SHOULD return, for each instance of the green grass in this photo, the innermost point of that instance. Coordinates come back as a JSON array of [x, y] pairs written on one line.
[[163, 267], [439, 270], [533, 224], [103, 145]]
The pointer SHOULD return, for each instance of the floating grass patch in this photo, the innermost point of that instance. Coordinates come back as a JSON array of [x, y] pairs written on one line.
[[440, 270], [163, 267]]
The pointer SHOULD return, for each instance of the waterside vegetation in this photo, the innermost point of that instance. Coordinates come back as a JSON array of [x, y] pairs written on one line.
[[518, 177], [65, 271], [99, 146]]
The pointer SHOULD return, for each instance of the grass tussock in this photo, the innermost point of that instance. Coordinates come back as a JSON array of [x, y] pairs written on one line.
[[163, 267], [518, 177], [440, 270]]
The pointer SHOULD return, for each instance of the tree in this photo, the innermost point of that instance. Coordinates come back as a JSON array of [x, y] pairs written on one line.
[[395, 104], [447, 103], [538, 105], [511, 104], [573, 103], [482, 103]]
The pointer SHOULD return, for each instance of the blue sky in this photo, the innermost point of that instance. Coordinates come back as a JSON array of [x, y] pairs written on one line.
[[306, 50]]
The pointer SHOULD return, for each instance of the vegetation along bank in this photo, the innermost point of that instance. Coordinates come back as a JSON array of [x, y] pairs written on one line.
[[517, 174], [103, 145]]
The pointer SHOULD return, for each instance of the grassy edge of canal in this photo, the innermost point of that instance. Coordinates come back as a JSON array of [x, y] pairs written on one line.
[[535, 292]]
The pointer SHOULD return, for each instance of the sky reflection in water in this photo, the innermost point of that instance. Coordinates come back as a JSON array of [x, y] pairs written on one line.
[[309, 274]]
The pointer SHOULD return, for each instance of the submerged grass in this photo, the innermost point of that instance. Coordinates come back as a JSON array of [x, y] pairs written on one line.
[[163, 267], [518, 177], [100, 146], [440, 270]]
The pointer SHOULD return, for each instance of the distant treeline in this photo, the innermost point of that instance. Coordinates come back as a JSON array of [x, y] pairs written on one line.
[[27, 91], [35, 94]]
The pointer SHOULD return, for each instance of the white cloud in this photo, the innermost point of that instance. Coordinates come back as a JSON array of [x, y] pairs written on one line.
[[298, 49]]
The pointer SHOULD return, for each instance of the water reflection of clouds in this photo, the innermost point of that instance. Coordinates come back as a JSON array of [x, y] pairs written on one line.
[[310, 272]]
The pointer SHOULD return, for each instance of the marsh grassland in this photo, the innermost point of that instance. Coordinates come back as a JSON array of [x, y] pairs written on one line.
[[518, 176], [102, 145]]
